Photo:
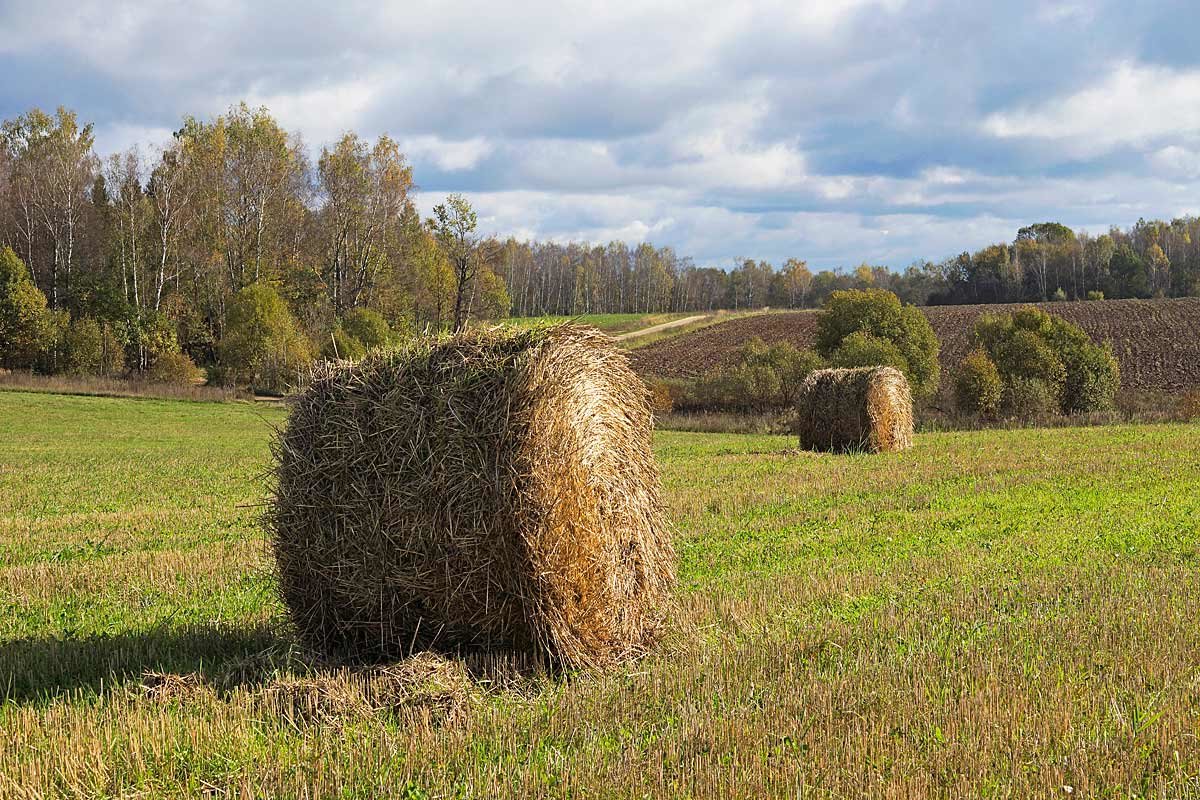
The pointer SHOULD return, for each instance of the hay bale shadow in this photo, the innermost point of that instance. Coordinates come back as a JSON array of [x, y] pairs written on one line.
[[41, 669], [264, 665]]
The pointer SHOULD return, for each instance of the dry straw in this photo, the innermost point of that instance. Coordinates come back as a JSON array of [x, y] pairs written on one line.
[[491, 491], [869, 408]]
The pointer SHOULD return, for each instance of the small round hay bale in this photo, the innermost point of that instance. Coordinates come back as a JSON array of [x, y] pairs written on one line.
[[869, 408], [489, 491]]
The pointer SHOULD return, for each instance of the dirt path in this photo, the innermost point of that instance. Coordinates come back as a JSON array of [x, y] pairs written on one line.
[[675, 323]]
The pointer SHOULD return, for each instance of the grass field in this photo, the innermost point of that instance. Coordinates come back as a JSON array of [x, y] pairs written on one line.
[[609, 323], [617, 324], [994, 614]]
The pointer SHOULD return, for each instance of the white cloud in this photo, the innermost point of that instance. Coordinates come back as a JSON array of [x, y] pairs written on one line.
[[1174, 162], [1074, 12], [1135, 104], [448, 155], [946, 176], [322, 113], [119, 137], [716, 147]]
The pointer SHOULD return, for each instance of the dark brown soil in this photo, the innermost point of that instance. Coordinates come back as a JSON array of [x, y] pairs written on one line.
[[1156, 341]]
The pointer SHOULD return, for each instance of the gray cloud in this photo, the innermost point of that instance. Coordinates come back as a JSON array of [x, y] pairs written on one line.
[[878, 130]]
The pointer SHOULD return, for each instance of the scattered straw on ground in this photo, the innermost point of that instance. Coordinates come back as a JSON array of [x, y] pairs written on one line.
[[426, 690]]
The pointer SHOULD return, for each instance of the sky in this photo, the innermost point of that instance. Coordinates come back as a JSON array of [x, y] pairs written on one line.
[[840, 131]]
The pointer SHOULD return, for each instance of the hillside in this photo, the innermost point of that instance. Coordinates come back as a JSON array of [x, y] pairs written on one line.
[[1156, 341]]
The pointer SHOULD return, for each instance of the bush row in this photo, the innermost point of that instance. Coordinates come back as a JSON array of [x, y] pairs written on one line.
[[856, 328], [1025, 364], [262, 345], [763, 378], [34, 337], [1029, 363]]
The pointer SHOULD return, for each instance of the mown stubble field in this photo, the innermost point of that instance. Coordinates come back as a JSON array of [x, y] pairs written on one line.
[[998, 613]]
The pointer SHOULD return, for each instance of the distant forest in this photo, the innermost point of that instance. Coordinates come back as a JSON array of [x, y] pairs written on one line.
[[237, 200]]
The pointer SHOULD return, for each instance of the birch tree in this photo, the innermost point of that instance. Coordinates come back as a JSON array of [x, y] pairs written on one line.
[[365, 194], [171, 189], [123, 174], [55, 169]]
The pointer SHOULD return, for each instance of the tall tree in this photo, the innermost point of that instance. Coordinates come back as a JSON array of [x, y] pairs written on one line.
[[797, 280], [55, 171], [123, 180], [251, 175], [364, 193], [172, 185], [1045, 245], [454, 224]]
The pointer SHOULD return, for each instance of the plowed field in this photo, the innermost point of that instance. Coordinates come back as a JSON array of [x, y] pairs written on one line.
[[1156, 341]]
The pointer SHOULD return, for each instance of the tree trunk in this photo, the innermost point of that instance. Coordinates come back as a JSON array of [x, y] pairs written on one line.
[[459, 292]]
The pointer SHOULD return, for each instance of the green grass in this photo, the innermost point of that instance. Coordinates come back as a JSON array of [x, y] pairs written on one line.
[[616, 324], [715, 318], [609, 323], [994, 613]]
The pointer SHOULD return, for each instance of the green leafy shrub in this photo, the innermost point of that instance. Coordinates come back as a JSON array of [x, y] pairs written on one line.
[[1095, 295], [1059, 295], [341, 344], [368, 327], [740, 387], [1093, 378], [174, 368], [359, 331], [861, 349], [791, 364], [54, 357], [193, 331], [92, 348], [262, 346], [664, 394], [1029, 398], [1025, 354], [24, 324], [1031, 345], [978, 388], [764, 377], [148, 336], [879, 314]]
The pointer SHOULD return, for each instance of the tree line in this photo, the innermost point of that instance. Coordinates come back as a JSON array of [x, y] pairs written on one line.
[[1045, 261], [148, 240]]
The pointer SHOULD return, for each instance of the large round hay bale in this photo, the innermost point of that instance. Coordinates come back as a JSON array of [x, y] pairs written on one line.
[[493, 490], [869, 408]]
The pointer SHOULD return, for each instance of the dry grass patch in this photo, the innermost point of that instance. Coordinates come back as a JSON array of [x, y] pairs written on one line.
[[93, 386]]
